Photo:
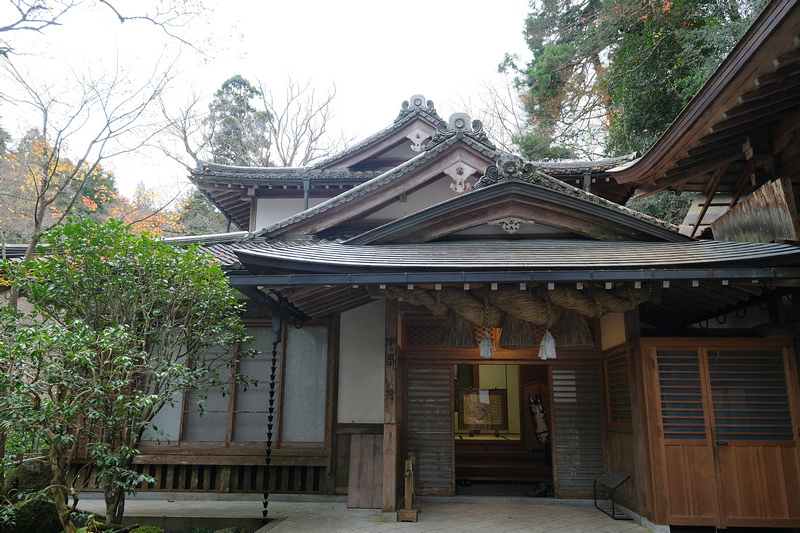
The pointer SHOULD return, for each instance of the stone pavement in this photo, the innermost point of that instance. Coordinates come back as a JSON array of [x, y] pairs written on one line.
[[446, 515]]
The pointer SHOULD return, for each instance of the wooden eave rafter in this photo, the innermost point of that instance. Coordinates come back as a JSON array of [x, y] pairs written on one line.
[[753, 91], [681, 304]]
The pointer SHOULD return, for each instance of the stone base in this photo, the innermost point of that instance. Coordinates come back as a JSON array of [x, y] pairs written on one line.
[[407, 515]]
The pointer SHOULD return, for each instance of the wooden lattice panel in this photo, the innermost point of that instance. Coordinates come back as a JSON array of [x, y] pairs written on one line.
[[424, 334]]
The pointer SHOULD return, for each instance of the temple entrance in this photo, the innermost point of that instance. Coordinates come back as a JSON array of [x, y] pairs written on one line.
[[501, 430], [471, 422]]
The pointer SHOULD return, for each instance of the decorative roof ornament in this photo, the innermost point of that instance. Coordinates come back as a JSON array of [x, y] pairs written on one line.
[[508, 167], [418, 138], [459, 126], [510, 224], [417, 103], [460, 172]]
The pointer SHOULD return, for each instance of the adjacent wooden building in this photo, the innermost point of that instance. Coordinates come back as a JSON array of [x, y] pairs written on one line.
[[410, 283]]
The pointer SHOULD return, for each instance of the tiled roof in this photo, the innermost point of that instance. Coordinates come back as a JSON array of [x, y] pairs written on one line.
[[251, 174], [222, 246], [376, 183], [583, 167], [542, 254], [417, 106], [513, 168]]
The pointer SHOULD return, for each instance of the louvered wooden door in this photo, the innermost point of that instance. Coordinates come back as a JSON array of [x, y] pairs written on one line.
[[429, 435], [753, 437], [687, 474], [578, 439], [728, 437]]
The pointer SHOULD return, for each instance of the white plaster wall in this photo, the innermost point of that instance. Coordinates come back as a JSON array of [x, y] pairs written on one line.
[[612, 330], [435, 192], [361, 372], [271, 210]]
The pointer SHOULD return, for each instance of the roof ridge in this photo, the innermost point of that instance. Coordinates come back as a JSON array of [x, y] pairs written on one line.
[[416, 106], [513, 168]]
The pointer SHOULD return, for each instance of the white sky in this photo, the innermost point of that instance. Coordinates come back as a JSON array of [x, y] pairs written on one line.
[[377, 53]]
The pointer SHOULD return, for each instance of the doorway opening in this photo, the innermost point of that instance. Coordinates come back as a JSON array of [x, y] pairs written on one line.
[[502, 430]]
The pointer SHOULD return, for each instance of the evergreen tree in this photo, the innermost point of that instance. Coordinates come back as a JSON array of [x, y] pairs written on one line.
[[197, 215], [621, 70], [238, 130]]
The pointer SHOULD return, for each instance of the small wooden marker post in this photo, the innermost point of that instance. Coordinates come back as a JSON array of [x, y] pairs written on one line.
[[408, 513]]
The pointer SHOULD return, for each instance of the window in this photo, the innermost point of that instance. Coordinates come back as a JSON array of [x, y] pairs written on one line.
[[618, 391], [750, 397], [682, 414], [246, 406], [305, 391], [208, 423], [251, 404], [241, 414]]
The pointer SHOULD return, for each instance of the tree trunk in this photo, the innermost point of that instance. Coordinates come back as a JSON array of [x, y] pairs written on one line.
[[115, 505], [2, 455], [58, 489], [60, 496]]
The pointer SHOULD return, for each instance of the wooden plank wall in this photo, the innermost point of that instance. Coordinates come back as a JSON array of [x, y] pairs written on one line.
[[365, 487], [429, 433], [624, 440], [768, 214], [578, 442], [289, 479]]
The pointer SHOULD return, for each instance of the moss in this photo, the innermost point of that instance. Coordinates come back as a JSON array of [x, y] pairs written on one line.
[[37, 516], [147, 529]]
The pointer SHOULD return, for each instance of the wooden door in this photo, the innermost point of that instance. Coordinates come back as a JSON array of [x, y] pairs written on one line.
[[753, 436], [686, 471], [577, 431], [728, 437], [429, 427], [365, 481]]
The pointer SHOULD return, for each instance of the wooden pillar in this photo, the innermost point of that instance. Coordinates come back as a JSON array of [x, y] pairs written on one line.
[[632, 327], [391, 438]]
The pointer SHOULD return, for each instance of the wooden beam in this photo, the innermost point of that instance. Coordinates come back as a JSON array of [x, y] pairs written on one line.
[[742, 181], [776, 76], [761, 97], [715, 180], [743, 122], [786, 132], [788, 58], [705, 162]]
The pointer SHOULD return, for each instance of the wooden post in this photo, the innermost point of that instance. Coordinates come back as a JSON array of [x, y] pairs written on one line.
[[391, 449], [408, 513]]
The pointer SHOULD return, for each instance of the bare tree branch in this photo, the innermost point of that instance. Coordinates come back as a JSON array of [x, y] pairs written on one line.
[[299, 124], [101, 117], [38, 15]]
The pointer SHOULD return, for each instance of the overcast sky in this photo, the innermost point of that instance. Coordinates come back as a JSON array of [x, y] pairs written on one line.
[[377, 53]]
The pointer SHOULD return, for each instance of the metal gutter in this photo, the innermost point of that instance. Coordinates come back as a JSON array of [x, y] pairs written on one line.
[[756, 275]]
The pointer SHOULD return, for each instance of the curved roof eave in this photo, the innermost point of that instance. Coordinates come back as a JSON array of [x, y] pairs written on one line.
[[698, 114], [336, 257]]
